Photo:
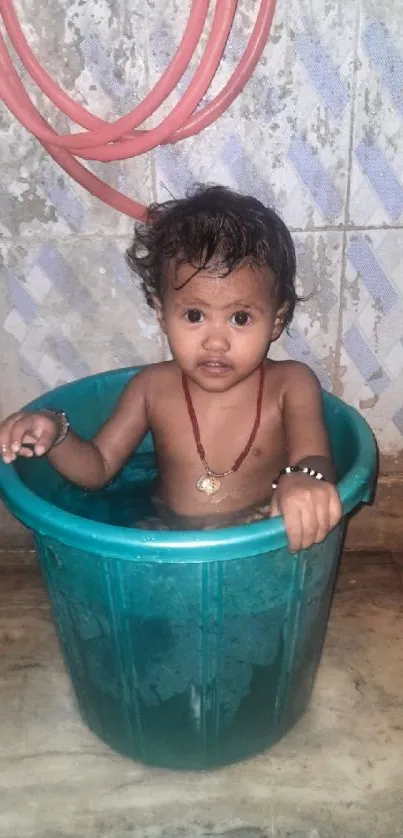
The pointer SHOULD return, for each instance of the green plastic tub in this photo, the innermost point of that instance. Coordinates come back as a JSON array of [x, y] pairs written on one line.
[[185, 649]]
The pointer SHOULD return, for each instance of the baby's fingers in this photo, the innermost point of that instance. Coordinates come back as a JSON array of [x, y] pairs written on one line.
[[335, 509], [24, 435], [9, 445], [313, 527], [323, 523], [293, 523], [303, 524], [40, 441]]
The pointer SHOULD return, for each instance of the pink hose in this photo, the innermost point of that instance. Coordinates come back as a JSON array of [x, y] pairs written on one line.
[[120, 139]]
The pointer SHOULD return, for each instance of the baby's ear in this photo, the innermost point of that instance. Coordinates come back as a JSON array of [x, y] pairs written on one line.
[[159, 309], [279, 321]]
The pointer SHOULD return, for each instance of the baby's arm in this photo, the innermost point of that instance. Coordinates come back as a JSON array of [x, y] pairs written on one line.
[[311, 508], [89, 464]]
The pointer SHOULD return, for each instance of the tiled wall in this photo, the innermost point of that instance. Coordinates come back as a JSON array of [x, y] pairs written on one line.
[[318, 133]]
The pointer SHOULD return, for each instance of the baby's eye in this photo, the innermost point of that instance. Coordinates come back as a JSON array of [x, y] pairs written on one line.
[[194, 315], [240, 318]]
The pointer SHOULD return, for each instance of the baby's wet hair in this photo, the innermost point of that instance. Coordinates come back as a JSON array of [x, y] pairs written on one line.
[[217, 229]]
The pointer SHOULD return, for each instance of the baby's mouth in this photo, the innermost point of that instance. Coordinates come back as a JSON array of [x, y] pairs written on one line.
[[215, 362], [214, 365]]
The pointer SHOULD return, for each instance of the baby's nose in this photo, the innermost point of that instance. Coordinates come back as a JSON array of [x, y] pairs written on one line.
[[216, 338]]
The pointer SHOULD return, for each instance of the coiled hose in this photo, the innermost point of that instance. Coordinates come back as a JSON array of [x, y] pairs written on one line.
[[123, 138]]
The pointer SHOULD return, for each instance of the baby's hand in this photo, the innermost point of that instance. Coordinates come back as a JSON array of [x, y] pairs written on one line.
[[37, 430], [311, 508]]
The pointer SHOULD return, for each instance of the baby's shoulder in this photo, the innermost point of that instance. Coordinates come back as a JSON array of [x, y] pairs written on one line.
[[155, 377], [291, 375]]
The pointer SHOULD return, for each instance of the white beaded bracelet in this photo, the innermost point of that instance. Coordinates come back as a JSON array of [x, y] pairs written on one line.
[[310, 472]]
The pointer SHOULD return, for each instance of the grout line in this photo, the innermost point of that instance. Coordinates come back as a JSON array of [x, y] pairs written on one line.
[[337, 383], [346, 228], [153, 165], [342, 228]]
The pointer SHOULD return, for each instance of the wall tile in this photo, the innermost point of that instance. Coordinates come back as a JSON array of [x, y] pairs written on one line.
[[286, 138], [93, 54], [70, 311], [376, 197], [371, 363], [312, 336]]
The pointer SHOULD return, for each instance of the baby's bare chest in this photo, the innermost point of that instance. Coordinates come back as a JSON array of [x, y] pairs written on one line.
[[219, 433]]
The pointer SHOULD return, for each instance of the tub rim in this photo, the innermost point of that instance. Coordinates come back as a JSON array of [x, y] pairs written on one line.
[[132, 544]]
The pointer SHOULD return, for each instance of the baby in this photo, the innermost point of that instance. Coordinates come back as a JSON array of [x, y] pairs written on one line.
[[237, 436]]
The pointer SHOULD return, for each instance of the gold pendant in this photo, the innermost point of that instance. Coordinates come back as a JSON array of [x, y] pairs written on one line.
[[208, 484]]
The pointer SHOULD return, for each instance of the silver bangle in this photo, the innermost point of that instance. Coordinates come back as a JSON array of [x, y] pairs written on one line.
[[64, 424], [310, 472]]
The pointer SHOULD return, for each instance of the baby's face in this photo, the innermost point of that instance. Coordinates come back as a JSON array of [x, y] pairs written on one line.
[[220, 328]]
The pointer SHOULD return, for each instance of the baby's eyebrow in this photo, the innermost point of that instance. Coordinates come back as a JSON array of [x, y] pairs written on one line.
[[241, 305], [191, 303]]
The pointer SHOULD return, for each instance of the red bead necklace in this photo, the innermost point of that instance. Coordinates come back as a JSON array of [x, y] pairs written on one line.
[[210, 482]]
